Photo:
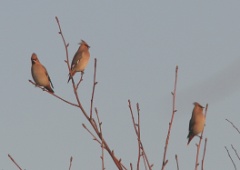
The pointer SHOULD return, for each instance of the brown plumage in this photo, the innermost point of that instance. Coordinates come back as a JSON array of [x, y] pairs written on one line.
[[80, 59], [40, 74], [197, 121]]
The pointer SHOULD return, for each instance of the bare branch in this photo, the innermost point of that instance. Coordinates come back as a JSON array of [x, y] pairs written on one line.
[[102, 144], [131, 166], [94, 137], [134, 124], [81, 79], [136, 127], [144, 155], [145, 164], [70, 163], [14, 162], [235, 152], [231, 158], [233, 125], [176, 158], [64, 43], [53, 94], [164, 162], [204, 153], [94, 85]]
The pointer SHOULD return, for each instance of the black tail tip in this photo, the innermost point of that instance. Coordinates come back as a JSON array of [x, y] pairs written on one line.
[[69, 79], [49, 89]]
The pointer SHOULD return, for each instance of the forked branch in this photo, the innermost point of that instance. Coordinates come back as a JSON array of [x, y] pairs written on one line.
[[53, 94], [136, 126]]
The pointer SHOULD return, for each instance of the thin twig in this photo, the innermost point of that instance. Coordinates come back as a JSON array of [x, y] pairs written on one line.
[[145, 163], [235, 152], [81, 79], [136, 126], [94, 137], [53, 94], [102, 144], [233, 125], [200, 140], [204, 153], [64, 43], [144, 155], [231, 158], [14, 162], [131, 166], [164, 162], [139, 138], [176, 158], [70, 163], [142, 152], [94, 85]]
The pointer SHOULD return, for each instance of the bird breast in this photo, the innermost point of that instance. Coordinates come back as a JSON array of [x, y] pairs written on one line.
[[198, 123], [39, 75]]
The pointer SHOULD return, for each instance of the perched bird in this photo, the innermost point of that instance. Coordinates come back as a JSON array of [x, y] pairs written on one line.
[[80, 59], [40, 74], [197, 121]]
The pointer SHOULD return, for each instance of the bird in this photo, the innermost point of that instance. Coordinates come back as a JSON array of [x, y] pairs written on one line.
[[40, 74], [197, 121], [80, 59]]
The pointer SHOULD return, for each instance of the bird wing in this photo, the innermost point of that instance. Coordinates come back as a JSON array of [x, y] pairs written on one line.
[[48, 76], [76, 59], [50, 81], [191, 123]]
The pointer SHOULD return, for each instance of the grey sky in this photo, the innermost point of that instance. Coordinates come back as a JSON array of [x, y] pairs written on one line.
[[137, 46]]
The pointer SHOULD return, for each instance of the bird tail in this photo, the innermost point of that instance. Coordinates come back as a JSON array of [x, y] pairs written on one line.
[[49, 89], [71, 74], [190, 137], [70, 77]]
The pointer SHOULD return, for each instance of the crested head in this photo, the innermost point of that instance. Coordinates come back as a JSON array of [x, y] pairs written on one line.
[[197, 104], [83, 43], [34, 58]]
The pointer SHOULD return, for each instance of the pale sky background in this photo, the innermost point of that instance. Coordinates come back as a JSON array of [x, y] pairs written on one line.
[[137, 45]]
